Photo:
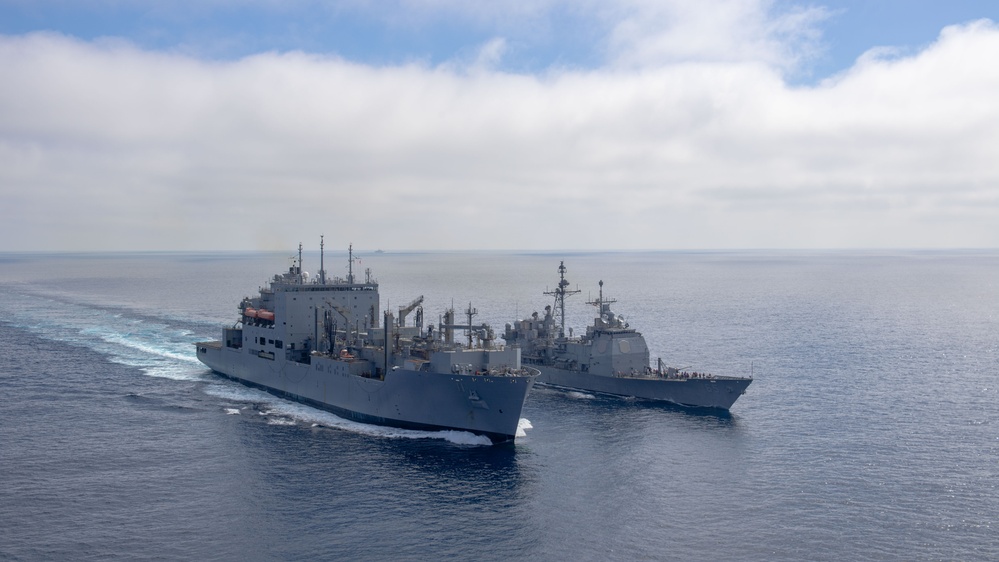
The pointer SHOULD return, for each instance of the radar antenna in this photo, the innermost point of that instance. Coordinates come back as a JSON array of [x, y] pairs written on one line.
[[560, 293], [601, 303]]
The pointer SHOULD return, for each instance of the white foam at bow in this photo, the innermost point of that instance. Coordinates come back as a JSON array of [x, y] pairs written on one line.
[[522, 426]]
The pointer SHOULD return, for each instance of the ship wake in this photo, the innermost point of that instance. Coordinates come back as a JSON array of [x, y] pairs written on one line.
[[157, 347]]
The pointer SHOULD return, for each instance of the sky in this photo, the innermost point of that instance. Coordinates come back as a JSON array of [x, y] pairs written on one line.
[[145, 125]]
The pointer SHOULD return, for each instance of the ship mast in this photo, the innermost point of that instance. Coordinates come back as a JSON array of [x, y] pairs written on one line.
[[602, 304], [322, 268], [560, 293], [299, 263], [470, 312], [350, 264]]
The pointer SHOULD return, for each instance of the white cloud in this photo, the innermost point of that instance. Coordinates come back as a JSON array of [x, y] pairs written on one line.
[[654, 32], [105, 146]]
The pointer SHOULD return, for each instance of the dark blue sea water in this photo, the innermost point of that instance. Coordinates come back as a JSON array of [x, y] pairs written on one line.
[[871, 431]]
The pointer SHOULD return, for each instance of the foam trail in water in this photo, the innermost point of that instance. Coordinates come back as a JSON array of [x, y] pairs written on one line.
[[145, 347], [580, 395], [154, 347]]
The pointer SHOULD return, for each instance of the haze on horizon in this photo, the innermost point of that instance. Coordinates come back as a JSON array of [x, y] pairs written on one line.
[[450, 125]]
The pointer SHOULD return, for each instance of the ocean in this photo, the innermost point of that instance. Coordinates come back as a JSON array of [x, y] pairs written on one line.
[[870, 432]]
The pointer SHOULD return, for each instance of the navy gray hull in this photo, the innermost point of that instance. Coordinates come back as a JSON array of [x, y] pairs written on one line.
[[301, 339], [612, 358], [716, 392], [481, 404]]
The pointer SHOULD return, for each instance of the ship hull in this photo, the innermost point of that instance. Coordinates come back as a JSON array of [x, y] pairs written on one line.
[[716, 392], [480, 404]]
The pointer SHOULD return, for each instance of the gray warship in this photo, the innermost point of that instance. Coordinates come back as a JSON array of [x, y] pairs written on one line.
[[611, 358], [318, 341]]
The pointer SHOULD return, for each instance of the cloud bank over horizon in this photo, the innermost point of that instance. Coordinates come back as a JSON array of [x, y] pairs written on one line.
[[690, 135]]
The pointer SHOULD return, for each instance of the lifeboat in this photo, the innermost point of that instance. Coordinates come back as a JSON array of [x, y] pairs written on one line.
[[250, 312], [265, 315]]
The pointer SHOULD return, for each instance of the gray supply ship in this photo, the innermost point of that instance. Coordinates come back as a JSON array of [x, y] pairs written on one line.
[[611, 358], [318, 341]]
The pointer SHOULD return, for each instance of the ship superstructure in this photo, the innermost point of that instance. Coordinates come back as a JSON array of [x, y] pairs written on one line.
[[611, 358], [325, 342]]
